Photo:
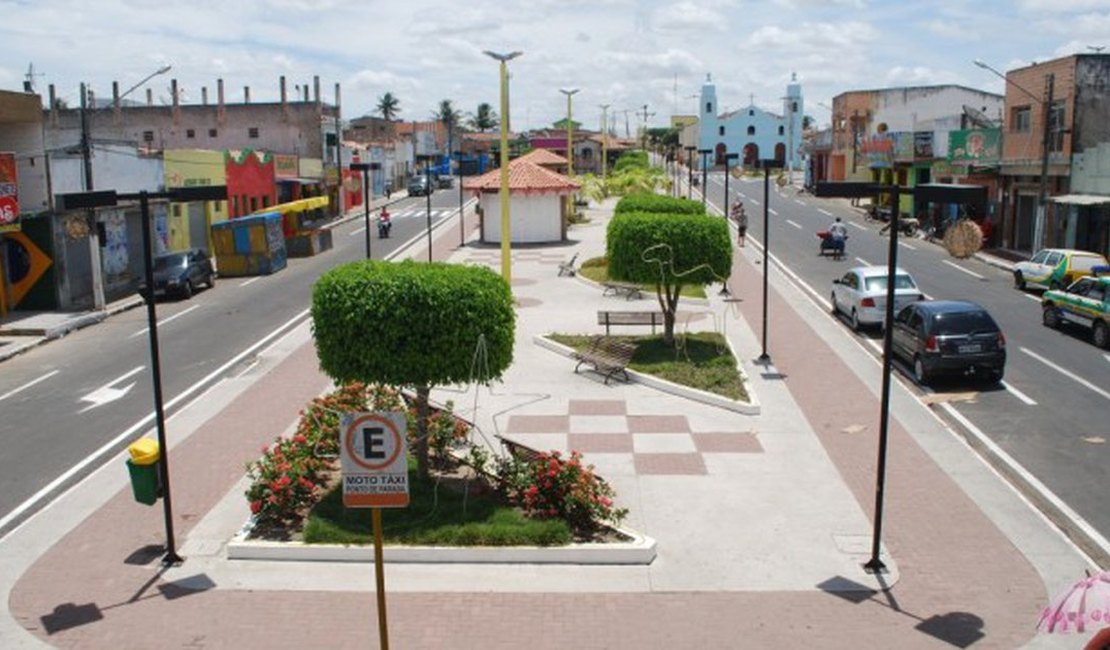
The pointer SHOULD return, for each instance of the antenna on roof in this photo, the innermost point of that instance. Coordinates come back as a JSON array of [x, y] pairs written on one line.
[[978, 118]]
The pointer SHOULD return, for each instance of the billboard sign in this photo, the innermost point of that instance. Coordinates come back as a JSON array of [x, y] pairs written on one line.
[[9, 193]]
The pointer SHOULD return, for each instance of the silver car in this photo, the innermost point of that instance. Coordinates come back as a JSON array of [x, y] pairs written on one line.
[[860, 294]]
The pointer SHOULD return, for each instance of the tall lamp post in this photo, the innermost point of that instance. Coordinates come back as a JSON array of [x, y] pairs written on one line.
[[571, 92], [108, 198], [1046, 138], [462, 218], [923, 193], [704, 172], [506, 254], [604, 139], [690, 168], [365, 169], [767, 166], [428, 204], [728, 157]]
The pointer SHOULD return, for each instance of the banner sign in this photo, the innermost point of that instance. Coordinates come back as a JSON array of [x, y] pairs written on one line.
[[879, 151], [286, 166], [922, 145], [9, 194], [978, 146]]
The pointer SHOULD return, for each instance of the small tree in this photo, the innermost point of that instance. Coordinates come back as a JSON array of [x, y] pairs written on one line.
[[669, 251], [658, 204], [484, 119], [389, 106], [412, 324]]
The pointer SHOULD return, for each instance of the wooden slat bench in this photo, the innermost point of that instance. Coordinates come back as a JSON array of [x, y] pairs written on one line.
[[608, 318], [567, 267], [519, 451], [629, 290], [608, 356]]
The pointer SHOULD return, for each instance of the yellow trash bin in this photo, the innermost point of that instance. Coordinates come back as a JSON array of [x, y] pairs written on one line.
[[143, 469]]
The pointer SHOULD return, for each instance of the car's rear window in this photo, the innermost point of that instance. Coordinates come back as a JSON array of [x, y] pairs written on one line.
[[901, 281], [170, 261], [963, 322]]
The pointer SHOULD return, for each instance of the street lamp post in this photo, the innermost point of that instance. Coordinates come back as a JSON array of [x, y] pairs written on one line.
[[604, 139], [1046, 138], [704, 172], [690, 168], [506, 254], [728, 157], [428, 204], [107, 198], [570, 145], [462, 218], [767, 165], [365, 169]]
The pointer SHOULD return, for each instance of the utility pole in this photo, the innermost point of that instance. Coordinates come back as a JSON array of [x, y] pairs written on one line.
[[604, 139], [1042, 193], [643, 134], [94, 238]]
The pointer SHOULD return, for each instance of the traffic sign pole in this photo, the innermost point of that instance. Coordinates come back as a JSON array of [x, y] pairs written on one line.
[[379, 578]]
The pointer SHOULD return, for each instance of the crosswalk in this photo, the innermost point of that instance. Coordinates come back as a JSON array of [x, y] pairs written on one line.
[[423, 213]]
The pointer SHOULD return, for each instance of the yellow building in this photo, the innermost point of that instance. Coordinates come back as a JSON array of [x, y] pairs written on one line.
[[189, 224]]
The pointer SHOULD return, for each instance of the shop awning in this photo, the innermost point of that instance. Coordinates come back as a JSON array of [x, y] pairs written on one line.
[[301, 181], [302, 205], [1081, 199]]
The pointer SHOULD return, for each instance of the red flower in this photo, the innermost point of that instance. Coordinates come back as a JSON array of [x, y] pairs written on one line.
[[300, 438], [256, 506]]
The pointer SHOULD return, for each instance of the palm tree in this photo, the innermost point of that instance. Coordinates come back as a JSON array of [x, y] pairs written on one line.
[[484, 119], [389, 106], [450, 117]]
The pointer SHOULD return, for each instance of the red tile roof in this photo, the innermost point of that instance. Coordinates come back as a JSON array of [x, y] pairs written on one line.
[[525, 177], [544, 157]]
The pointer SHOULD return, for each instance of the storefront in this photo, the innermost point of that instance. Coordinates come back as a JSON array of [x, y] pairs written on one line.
[[1085, 221]]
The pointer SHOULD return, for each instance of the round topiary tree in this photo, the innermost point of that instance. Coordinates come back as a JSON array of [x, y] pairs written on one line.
[[412, 324], [669, 251]]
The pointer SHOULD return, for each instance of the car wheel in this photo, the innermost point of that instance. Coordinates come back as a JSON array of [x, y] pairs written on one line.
[[855, 320], [996, 376], [920, 374], [1102, 335], [1019, 280], [187, 290], [1050, 318], [211, 281]]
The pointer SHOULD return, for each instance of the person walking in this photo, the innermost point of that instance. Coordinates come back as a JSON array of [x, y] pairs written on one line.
[[741, 218]]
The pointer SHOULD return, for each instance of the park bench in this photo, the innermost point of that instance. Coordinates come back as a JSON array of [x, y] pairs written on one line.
[[567, 267], [628, 289], [608, 356], [518, 451], [608, 318]]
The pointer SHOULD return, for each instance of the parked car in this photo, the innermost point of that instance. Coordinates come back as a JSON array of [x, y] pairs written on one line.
[[1055, 268], [444, 181], [420, 185], [180, 273], [1085, 303], [949, 337], [860, 294]]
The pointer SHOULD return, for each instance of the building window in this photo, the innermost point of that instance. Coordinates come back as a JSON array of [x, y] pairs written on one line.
[[254, 204], [265, 202], [190, 133], [212, 133], [235, 205], [720, 130], [794, 107], [751, 113], [708, 107], [1056, 115], [782, 130], [148, 136], [252, 132], [1021, 118], [751, 130]]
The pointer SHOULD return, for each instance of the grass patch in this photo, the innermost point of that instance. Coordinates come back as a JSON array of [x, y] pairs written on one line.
[[704, 362], [434, 516], [597, 269]]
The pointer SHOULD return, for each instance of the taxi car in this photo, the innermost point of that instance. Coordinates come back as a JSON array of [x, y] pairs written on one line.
[[1055, 268], [1085, 303]]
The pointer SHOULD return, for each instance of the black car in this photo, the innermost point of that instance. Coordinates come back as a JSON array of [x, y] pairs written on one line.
[[180, 273], [949, 337], [421, 185]]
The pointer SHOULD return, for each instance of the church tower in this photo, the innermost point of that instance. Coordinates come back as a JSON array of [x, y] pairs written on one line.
[[793, 112], [707, 115]]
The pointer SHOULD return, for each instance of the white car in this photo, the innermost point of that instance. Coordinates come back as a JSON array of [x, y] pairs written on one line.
[[860, 294]]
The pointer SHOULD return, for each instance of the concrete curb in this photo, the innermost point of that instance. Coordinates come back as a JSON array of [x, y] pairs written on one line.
[[747, 408], [640, 551]]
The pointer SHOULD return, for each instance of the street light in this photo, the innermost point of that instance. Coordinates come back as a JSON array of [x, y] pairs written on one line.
[[690, 168], [728, 157], [462, 219], [604, 139], [570, 145], [704, 172], [365, 169], [1046, 109], [767, 166], [108, 198], [428, 198], [506, 255]]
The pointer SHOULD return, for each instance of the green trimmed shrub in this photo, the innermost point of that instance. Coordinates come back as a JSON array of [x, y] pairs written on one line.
[[658, 204], [631, 159]]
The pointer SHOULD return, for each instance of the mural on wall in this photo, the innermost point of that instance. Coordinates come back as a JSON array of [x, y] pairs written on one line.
[[250, 181], [114, 259]]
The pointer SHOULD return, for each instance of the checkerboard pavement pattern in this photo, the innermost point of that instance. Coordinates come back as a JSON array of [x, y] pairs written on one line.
[[539, 256], [619, 442]]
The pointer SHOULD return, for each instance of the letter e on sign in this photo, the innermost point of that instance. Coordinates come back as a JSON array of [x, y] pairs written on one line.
[[373, 460]]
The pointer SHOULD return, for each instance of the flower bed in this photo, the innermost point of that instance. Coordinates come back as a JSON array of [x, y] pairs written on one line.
[[471, 498]]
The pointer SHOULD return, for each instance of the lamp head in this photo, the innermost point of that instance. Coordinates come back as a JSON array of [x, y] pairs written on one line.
[[503, 57], [979, 62], [568, 91]]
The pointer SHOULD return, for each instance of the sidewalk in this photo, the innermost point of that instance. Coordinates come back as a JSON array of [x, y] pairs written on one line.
[[762, 520]]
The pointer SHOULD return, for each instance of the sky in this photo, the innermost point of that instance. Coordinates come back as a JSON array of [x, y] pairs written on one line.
[[624, 53]]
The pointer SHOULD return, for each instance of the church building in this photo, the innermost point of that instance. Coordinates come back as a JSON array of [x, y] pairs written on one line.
[[752, 132]]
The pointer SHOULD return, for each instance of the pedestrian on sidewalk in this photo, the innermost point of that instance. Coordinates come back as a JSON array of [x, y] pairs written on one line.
[[741, 218]]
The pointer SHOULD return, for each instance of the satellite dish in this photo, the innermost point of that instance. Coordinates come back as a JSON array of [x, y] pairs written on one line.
[[978, 118]]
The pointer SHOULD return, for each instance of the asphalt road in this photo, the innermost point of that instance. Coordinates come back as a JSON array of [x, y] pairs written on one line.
[[84, 397], [1052, 413]]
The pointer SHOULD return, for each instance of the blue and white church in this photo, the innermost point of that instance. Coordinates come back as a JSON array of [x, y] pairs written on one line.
[[752, 132]]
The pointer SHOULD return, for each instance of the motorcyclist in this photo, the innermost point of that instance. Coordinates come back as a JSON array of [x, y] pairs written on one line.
[[838, 232], [384, 223]]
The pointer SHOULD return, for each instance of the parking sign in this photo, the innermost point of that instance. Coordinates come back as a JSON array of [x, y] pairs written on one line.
[[373, 460]]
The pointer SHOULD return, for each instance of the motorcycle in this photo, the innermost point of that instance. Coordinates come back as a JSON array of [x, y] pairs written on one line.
[[831, 245], [383, 229], [908, 226]]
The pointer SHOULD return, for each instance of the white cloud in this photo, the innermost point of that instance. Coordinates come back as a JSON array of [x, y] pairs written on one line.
[[1062, 6], [687, 17]]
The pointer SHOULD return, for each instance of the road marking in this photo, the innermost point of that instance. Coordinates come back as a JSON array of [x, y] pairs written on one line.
[[107, 393], [863, 261], [754, 201], [1018, 394], [960, 268], [855, 225], [251, 281], [1105, 356], [28, 385], [356, 231], [794, 223], [145, 421], [905, 245], [742, 195], [772, 211], [1032, 297], [799, 202], [825, 212], [1065, 372], [165, 320]]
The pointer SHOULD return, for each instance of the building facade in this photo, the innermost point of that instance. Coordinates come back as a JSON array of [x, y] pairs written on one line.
[[751, 132]]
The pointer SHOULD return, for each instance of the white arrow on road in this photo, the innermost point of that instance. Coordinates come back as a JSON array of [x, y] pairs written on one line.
[[107, 393]]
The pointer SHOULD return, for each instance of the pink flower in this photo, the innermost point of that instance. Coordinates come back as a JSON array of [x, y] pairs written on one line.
[[256, 506]]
